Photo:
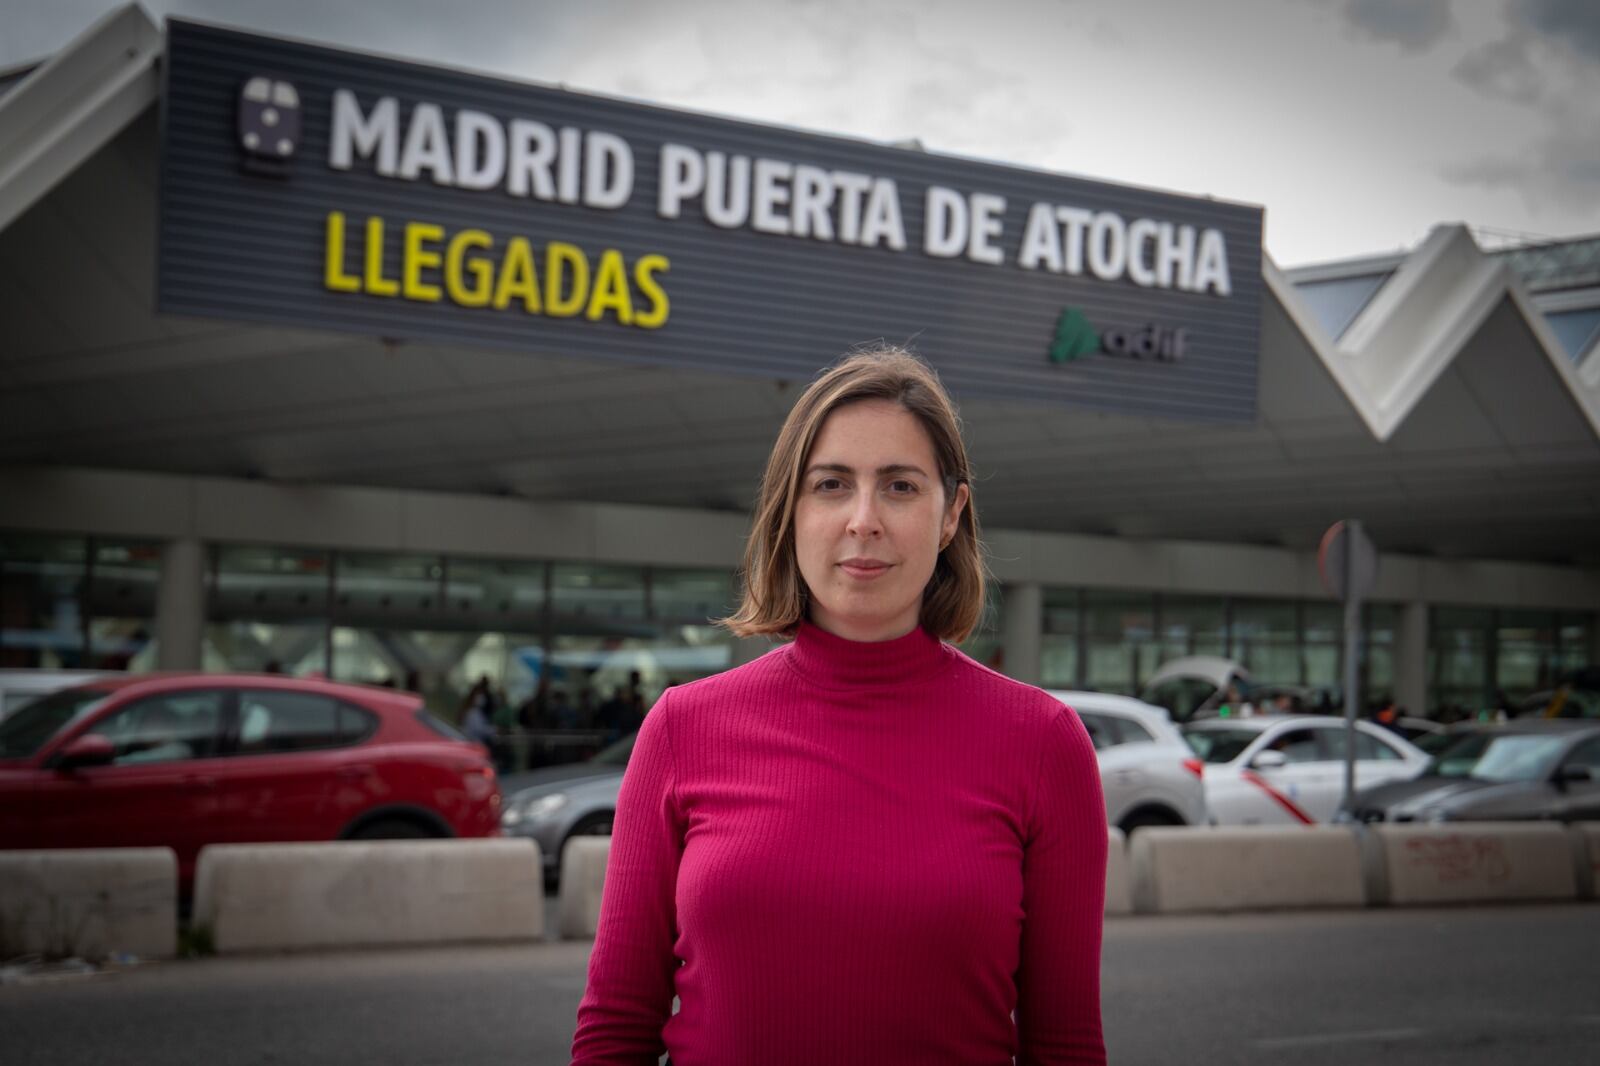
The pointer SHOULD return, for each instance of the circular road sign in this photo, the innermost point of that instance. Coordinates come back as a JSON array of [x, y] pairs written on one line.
[[1348, 561]]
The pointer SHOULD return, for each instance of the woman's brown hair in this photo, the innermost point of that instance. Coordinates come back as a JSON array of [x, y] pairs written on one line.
[[775, 595]]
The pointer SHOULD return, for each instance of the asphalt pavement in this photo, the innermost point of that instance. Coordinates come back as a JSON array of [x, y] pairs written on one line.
[[1462, 987]]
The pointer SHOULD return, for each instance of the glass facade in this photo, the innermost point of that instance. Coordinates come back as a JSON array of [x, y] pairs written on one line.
[[1482, 660], [1113, 640], [1119, 644], [77, 603], [573, 653], [569, 654]]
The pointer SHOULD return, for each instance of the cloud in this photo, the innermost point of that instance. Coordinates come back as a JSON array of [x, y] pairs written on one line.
[[1573, 23], [1504, 70], [1415, 25], [1547, 47], [1559, 173]]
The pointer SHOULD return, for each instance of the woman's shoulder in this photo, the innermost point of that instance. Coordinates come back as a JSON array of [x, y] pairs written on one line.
[[998, 689], [740, 683], [1026, 713]]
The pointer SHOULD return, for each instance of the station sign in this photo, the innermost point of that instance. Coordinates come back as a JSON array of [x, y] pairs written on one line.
[[321, 188]]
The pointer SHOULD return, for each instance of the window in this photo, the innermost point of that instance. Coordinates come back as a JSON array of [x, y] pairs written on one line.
[[25, 732], [1193, 625], [597, 594], [1058, 643], [1264, 638], [370, 586], [1102, 730], [75, 602], [1220, 745], [1134, 732], [1298, 745], [167, 728], [297, 721], [1120, 628], [1367, 747], [694, 596], [1586, 754]]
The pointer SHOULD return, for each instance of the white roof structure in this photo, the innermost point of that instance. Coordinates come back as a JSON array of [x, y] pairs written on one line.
[[1449, 397]]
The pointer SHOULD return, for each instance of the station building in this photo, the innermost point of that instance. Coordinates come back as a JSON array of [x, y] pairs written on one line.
[[327, 362]]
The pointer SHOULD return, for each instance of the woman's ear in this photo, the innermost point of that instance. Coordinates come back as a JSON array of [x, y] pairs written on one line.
[[952, 515]]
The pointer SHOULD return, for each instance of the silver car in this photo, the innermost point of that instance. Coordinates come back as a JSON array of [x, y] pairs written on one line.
[[561, 802]]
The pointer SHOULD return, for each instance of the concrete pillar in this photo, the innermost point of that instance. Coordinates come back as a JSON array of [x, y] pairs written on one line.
[[180, 605], [1021, 630], [1411, 658]]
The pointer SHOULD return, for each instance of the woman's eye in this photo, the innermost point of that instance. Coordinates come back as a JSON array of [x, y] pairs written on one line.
[[902, 488], [829, 484]]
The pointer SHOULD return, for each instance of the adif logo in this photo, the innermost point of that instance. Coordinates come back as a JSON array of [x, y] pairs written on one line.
[[269, 125], [1076, 338]]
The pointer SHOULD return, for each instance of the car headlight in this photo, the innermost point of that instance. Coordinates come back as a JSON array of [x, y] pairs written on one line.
[[533, 810], [1434, 815]]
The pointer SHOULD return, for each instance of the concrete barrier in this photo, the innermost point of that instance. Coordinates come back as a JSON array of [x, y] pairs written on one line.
[[1119, 888], [1469, 862], [1586, 858], [91, 902], [583, 875], [1179, 870], [273, 897]]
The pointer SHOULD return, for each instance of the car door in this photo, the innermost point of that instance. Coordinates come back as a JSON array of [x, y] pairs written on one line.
[[1304, 788], [1580, 800], [159, 789], [285, 767], [1377, 761]]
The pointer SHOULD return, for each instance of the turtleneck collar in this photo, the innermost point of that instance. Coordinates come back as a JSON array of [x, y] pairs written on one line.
[[834, 662]]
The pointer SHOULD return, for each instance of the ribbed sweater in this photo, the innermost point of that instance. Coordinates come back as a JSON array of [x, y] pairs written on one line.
[[849, 853]]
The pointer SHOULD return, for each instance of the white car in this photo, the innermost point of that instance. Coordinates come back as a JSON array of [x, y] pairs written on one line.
[[1288, 769], [1149, 775]]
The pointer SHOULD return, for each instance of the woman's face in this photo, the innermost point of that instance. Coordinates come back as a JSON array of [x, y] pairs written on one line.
[[869, 520]]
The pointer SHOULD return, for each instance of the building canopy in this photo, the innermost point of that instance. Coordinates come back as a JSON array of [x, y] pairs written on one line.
[[1450, 397]]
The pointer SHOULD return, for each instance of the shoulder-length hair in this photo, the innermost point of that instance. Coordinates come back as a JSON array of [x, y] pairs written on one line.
[[775, 596]]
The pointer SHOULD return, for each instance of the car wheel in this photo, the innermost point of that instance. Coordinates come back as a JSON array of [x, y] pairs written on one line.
[[392, 829], [591, 825], [1142, 819]]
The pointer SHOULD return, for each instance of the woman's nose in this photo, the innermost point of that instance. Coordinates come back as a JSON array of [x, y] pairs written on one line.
[[864, 520]]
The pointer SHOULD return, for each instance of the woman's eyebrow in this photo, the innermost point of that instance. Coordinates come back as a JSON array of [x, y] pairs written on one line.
[[883, 471]]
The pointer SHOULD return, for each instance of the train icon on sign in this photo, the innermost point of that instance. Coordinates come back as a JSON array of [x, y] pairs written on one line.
[[269, 125]]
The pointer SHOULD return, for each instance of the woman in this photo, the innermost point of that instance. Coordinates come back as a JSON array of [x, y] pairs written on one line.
[[863, 847]]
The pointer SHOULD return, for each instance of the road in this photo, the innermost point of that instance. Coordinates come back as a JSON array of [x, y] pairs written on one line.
[[1461, 987]]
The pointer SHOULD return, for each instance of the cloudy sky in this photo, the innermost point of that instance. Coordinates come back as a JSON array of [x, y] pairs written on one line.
[[1358, 124]]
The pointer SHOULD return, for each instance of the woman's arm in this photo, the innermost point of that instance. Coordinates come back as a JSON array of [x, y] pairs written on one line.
[[1063, 900], [629, 997]]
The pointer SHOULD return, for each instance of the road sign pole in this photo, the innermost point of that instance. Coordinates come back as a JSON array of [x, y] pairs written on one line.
[[1352, 648]]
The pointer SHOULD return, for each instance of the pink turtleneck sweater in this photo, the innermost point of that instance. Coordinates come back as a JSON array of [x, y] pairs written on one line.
[[850, 853]]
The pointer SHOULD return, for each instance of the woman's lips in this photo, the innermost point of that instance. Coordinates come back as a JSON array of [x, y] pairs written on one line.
[[864, 569]]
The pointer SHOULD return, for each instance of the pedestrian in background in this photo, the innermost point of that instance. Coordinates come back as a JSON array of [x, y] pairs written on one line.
[[863, 847], [477, 715]]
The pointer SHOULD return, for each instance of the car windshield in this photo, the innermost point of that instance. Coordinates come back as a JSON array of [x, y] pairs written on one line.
[[31, 725], [616, 754], [1219, 745], [1503, 758]]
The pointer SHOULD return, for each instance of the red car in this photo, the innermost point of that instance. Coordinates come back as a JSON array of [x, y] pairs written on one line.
[[185, 760]]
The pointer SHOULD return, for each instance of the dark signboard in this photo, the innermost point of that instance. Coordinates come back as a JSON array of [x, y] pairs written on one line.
[[318, 188]]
